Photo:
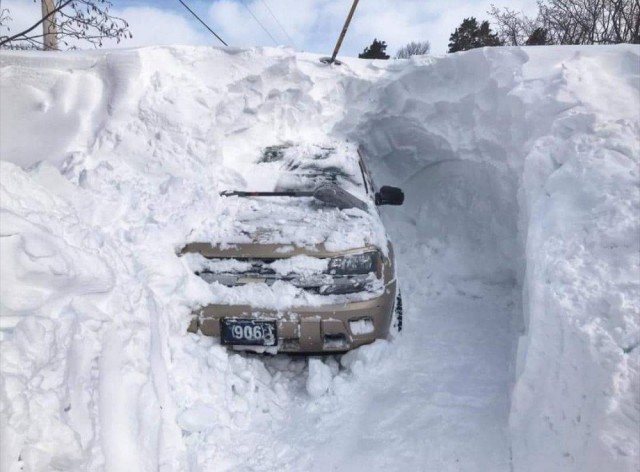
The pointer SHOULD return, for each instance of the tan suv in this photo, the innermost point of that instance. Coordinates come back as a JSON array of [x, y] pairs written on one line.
[[303, 263]]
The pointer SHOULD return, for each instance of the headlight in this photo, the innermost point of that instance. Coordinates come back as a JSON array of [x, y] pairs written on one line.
[[354, 264], [348, 286]]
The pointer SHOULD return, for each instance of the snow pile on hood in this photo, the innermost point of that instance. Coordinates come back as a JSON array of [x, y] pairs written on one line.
[[523, 159]]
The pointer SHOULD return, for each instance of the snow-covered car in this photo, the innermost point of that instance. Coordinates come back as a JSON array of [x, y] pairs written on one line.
[[304, 263]]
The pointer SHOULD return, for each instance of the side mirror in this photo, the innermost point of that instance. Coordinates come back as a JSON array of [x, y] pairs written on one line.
[[389, 196]]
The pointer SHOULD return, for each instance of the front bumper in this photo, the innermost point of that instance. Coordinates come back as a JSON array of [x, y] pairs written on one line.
[[322, 329]]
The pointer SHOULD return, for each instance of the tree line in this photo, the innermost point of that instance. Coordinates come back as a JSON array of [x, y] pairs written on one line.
[[556, 22]]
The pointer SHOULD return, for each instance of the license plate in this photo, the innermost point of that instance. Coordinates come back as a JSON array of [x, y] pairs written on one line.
[[248, 332]]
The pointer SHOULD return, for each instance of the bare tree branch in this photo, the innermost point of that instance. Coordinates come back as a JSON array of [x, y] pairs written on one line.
[[35, 25], [572, 22], [414, 48], [513, 28], [82, 20]]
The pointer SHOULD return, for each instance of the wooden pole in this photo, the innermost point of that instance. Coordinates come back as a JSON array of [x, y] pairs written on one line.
[[344, 31], [49, 29]]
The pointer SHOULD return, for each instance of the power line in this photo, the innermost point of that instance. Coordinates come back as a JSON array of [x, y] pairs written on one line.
[[279, 24], [258, 21], [200, 20]]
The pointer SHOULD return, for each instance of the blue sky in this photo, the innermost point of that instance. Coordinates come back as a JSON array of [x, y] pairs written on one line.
[[312, 25]]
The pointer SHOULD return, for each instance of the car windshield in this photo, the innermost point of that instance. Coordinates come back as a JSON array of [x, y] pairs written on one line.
[[304, 168]]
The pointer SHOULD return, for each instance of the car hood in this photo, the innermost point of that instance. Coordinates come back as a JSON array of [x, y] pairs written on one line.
[[286, 226]]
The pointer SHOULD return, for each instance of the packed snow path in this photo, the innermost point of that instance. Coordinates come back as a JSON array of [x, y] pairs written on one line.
[[437, 398], [520, 229]]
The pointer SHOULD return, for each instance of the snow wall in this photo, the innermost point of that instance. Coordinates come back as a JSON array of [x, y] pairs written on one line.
[[535, 154], [526, 158]]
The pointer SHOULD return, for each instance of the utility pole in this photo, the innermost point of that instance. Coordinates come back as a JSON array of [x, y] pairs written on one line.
[[332, 59], [49, 29]]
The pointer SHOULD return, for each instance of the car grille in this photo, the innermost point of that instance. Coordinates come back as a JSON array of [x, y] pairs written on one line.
[[259, 271]]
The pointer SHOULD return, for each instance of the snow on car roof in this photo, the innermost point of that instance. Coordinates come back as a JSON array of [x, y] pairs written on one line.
[[305, 166]]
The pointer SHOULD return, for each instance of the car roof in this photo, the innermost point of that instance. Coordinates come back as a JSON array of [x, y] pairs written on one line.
[[305, 166]]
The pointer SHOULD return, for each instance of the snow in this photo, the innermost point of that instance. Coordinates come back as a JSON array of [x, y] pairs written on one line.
[[303, 265], [518, 253], [319, 378], [363, 326]]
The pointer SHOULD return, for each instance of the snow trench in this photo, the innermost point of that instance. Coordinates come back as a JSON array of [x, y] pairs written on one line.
[[517, 247], [501, 172]]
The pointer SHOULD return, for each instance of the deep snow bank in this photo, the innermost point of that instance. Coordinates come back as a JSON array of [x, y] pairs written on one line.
[[545, 139], [524, 160]]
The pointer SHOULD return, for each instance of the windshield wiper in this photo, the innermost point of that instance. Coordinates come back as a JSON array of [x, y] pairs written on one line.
[[328, 193]]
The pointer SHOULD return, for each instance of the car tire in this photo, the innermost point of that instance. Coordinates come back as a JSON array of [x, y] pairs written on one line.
[[396, 323]]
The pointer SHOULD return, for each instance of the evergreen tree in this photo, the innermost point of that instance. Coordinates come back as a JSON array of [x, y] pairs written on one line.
[[469, 36], [538, 37], [486, 37], [377, 50]]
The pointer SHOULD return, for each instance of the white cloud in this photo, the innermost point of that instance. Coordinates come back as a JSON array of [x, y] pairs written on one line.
[[301, 20], [153, 26], [314, 25], [23, 15], [149, 26]]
